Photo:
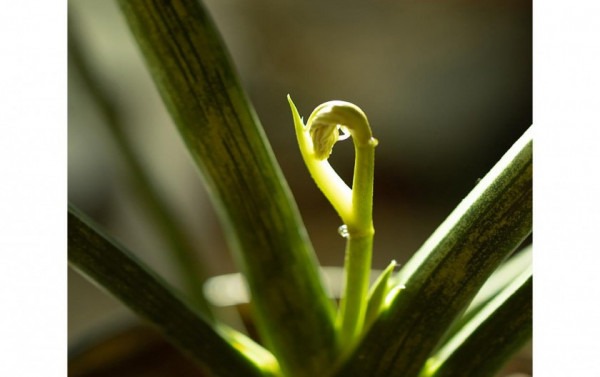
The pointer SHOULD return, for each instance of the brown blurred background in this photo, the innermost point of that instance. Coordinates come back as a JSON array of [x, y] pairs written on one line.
[[446, 86]]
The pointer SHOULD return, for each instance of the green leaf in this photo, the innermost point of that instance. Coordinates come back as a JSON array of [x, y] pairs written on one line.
[[197, 82], [442, 278], [110, 266], [491, 337], [377, 293], [500, 279]]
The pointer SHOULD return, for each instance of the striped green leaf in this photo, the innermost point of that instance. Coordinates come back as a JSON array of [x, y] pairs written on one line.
[[192, 70]]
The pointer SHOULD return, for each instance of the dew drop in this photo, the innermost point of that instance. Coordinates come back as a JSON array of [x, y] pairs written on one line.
[[343, 231], [373, 142]]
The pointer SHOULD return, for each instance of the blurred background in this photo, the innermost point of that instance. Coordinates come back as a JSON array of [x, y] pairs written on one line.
[[446, 86]]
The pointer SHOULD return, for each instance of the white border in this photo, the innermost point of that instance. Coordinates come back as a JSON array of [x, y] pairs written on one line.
[[33, 124], [566, 188]]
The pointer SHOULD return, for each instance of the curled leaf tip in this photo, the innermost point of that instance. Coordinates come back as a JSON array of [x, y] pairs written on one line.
[[327, 124], [324, 136]]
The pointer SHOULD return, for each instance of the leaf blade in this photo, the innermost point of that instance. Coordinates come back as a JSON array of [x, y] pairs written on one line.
[[116, 270], [491, 337], [197, 82], [500, 280]]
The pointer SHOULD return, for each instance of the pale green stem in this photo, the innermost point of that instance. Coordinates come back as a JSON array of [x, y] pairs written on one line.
[[353, 306], [362, 189], [359, 246]]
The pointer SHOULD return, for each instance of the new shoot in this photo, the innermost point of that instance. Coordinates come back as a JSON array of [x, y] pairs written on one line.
[[328, 123]]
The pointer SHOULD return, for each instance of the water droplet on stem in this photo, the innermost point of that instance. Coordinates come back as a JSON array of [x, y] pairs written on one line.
[[343, 231]]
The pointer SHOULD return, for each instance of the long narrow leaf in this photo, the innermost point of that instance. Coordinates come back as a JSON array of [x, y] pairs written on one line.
[[492, 336], [500, 279], [114, 269], [196, 80], [446, 273]]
